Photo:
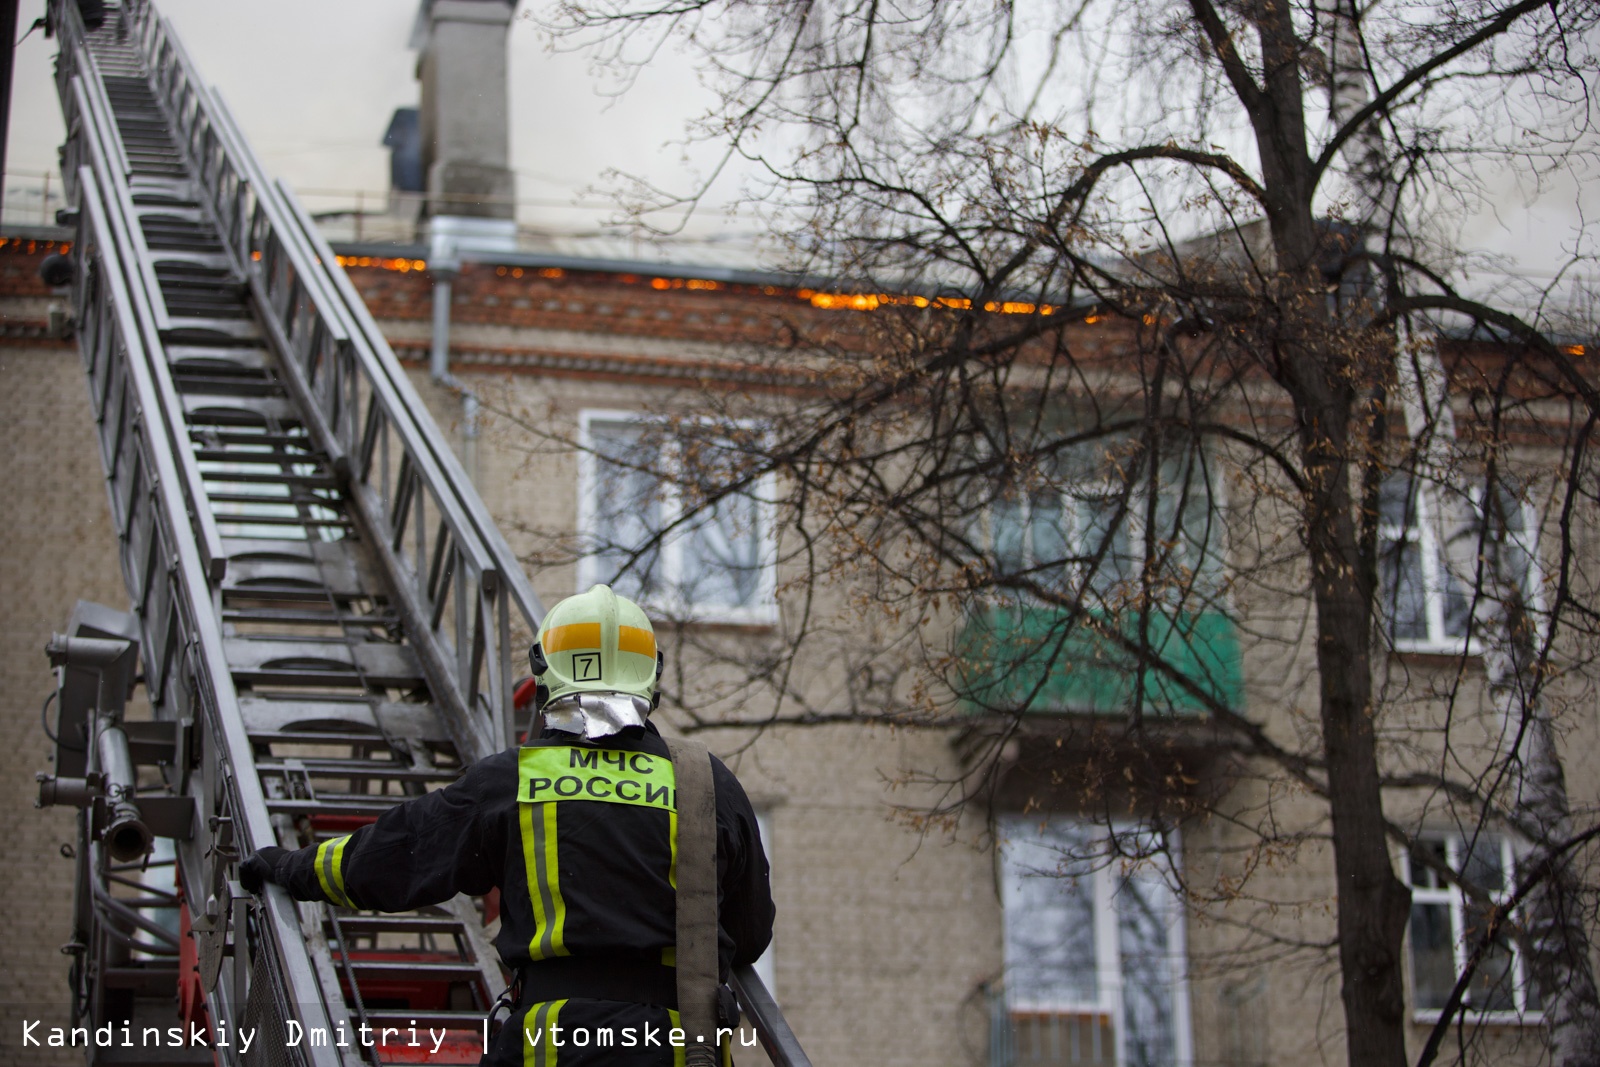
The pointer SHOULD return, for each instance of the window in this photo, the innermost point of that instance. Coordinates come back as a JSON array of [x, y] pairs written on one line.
[[1094, 957], [1446, 923], [1073, 536], [1426, 605], [1430, 544], [717, 566], [1084, 528]]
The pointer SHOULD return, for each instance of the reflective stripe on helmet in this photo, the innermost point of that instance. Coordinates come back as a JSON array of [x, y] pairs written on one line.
[[574, 635], [634, 639]]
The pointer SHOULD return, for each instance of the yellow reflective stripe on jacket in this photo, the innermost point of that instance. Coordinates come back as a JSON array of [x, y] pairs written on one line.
[[543, 869], [537, 1051], [679, 1052], [672, 836], [330, 870], [549, 774]]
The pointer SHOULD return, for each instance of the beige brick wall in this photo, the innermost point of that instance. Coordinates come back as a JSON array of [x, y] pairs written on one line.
[[884, 935], [58, 547]]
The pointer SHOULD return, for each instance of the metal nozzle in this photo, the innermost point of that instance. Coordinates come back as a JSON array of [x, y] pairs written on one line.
[[126, 835]]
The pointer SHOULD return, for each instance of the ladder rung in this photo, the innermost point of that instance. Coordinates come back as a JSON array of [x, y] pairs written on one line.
[[397, 924], [328, 502], [285, 617], [314, 481], [425, 1021], [358, 770], [335, 804], [409, 970], [318, 737]]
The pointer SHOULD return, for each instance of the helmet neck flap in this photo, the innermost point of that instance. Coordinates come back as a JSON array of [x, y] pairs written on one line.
[[594, 715]]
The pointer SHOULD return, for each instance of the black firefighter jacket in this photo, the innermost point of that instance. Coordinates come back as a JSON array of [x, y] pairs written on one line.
[[581, 839]]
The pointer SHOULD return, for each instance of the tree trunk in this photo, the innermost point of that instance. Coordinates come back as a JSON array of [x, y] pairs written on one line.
[[1321, 379], [1373, 904]]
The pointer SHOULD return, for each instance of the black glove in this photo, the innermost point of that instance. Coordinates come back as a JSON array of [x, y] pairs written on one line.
[[258, 870]]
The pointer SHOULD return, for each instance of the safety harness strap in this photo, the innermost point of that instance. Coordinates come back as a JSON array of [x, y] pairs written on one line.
[[697, 900], [631, 981]]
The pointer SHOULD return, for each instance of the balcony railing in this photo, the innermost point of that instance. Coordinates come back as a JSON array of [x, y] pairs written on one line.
[[1043, 659], [1026, 1037]]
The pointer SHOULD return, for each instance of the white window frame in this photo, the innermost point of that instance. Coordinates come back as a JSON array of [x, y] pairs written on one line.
[[1452, 896], [1074, 516], [1426, 534], [763, 611], [1108, 952], [1073, 498]]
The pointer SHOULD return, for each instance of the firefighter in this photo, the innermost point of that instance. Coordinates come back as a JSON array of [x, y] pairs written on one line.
[[578, 830]]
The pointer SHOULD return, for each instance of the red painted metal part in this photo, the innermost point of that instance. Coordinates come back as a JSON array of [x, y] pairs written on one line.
[[340, 824], [455, 1048], [420, 995], [191, 994]]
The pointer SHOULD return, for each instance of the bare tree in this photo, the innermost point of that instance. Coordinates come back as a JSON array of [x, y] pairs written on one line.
[[1168, 336]]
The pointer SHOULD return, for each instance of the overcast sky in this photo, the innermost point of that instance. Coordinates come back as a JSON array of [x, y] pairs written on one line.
[[314, 82]]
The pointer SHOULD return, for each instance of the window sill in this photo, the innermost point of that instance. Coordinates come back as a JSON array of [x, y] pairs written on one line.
[[716, 623], [677, 613], [1438, 656], [1430, 1017]]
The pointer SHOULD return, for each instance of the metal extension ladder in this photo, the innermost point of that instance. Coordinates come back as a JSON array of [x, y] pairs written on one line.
[[325, 614]]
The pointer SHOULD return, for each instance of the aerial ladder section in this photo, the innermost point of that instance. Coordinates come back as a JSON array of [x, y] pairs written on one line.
[[324, 618]]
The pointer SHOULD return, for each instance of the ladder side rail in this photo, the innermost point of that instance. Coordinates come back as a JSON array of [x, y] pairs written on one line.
[[390, 513], [70, 24], [74, 151], [126, 232], [482, 654], [66, 68], [482, 645], [177, 84], [162, 567], [391, 497], [779, 1042], [331, 380], [495, 657], [523, 599], [484, 657]]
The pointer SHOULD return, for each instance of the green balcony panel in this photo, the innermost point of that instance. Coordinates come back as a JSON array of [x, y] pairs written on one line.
[[1036, 658]]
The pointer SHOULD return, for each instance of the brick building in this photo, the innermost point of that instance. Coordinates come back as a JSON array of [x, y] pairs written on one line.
[[891, 942]]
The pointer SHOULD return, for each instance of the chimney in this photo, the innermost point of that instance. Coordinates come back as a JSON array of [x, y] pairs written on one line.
[[465, 144]]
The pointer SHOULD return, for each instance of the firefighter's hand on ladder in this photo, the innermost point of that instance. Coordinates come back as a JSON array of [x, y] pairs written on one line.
[[261, 868]]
